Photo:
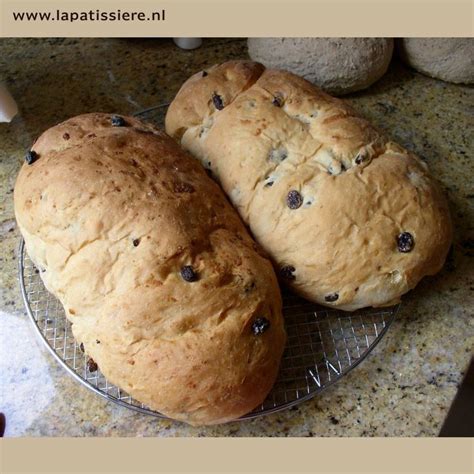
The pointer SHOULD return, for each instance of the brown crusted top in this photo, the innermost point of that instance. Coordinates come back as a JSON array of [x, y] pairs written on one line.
[[321, 189], [147, 256]]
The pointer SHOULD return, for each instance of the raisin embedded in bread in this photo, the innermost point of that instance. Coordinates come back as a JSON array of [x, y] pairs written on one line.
[[156, 272], [350, 218]]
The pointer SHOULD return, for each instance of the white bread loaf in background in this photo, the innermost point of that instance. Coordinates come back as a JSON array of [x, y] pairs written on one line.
[[337, 65], [161, 281], [350, 218], [448, 59]]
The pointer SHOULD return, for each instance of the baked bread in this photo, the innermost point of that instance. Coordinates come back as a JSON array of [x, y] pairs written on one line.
[[164, 287], [350, 218], [336, 65]]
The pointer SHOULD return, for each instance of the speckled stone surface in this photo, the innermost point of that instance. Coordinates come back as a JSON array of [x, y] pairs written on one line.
[[404, 387]]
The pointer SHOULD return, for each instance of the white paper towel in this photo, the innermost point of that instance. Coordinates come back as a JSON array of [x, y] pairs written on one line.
[[8, 107]]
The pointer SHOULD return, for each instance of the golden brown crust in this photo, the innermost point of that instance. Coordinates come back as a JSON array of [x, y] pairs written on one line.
[[113, 214], [225, 82], [353, 190]]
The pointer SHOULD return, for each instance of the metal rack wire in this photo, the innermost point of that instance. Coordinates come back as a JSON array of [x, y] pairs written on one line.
[[323, 344]]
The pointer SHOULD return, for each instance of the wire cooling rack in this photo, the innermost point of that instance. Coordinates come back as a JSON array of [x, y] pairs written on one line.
[[323, 344]]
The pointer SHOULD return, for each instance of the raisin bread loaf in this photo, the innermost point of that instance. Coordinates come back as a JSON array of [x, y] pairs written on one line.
[[163, 285], [350, 218]]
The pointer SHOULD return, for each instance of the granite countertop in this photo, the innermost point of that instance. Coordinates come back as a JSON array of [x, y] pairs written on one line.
[[403, 388]]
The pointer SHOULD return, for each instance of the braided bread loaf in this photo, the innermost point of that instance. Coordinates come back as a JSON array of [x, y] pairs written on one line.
[[163, 285], [350, 218]]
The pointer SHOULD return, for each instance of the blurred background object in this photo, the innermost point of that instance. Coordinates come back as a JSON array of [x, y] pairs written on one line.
[[337, 65], [2, 425], [448, 59], [188, 43], [8, 107], [460, 419]]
